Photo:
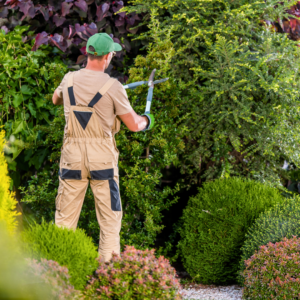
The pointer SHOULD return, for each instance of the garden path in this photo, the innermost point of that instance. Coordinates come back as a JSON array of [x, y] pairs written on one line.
[[210, 292]]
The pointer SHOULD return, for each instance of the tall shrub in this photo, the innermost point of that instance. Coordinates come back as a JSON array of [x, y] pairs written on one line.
[[7, 201], [215, 223], [238, 79], [71, 249], [282, 221]]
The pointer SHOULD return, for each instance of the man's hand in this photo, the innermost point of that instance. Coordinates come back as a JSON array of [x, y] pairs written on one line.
[[150, 121], [134, 122], [56, 99]]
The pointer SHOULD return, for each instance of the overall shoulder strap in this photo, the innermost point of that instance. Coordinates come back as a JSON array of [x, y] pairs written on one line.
[[70, 89], [102, 91]]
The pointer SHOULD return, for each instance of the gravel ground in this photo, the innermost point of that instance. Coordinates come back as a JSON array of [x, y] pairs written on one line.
[[204, 292]]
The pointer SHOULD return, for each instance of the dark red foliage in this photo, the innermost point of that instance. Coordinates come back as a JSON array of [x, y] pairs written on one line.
[[68, 24], [41, 38]]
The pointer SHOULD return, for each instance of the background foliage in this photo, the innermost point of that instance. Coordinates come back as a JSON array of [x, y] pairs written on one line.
[[67, 25], [27, 82], [239, 84]]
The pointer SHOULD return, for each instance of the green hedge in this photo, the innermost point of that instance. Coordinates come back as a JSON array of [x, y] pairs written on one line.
[[215, 223]]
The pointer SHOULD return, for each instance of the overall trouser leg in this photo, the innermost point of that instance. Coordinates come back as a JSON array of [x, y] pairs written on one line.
[[69, 202], [109, 217]]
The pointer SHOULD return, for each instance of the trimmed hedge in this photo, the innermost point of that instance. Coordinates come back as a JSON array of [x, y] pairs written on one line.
[[215, 222]]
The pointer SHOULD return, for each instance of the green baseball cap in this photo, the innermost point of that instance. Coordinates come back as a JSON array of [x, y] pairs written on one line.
[[103, 44]]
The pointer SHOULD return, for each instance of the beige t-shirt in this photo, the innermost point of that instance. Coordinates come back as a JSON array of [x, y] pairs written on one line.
[[86, 85]]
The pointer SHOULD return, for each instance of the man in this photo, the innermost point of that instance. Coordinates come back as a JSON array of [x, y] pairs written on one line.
[[92, 102]]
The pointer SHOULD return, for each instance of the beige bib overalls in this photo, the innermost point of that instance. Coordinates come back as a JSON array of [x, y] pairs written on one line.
[[88, 156]]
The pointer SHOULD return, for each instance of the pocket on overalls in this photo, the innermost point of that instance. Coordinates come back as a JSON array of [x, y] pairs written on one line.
[[101, 165], [71, 162], [58, 198]]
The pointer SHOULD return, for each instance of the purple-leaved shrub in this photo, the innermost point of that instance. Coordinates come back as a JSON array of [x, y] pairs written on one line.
[[136, 274], [54, 275], [273, 272]]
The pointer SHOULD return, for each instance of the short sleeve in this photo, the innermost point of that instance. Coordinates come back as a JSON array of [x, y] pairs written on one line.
[[121, 103], [59, 90]]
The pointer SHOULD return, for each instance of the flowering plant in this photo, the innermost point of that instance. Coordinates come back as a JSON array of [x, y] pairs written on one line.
[[273, 272], [136, 274]]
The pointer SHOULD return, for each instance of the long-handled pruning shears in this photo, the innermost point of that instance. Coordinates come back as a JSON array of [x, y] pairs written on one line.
[[151, 84]]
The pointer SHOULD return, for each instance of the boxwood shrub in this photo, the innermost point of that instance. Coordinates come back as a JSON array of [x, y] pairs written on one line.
[[215, 222], [283, 220], [71, 249]]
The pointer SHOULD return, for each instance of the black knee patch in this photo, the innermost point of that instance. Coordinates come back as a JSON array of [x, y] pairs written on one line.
[[70, 174], [102, 174], [114, 196]]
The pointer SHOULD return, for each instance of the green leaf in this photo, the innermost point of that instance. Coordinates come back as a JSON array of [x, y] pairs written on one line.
[[17, 100], [19, 126], [32, 109], [46, 116], [26, 90], [17, 153], [39, 102]]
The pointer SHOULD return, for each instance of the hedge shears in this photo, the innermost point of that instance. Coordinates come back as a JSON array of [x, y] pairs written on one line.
[[151, 84]]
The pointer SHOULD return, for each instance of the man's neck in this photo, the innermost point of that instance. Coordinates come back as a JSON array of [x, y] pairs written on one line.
[[95, 66]]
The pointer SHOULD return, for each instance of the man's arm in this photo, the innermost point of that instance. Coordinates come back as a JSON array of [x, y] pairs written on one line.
[[134, 122], [56, 99]]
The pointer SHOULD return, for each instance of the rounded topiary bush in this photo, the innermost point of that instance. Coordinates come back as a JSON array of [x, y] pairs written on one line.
[[283, 220], [215, 222], [273, 271], [136, 274], [72, 249]]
